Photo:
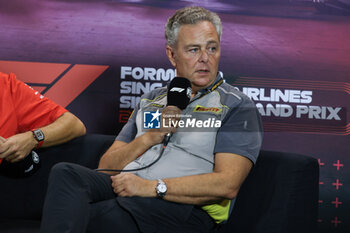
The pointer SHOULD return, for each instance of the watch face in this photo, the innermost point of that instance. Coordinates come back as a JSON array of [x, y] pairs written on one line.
[[39, 135], [162, 188]]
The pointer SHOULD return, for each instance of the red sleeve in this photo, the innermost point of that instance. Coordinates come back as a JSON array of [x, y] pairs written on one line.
[[32, 109]]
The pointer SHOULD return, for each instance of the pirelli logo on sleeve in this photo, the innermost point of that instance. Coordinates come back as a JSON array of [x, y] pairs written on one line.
[[200, 108]]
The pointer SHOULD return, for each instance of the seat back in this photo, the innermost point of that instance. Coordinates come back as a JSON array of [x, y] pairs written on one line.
[[279, 195]]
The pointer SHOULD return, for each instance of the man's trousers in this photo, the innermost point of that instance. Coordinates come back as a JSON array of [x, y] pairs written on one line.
[[82, 200]]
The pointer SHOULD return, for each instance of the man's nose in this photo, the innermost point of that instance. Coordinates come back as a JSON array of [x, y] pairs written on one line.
[[204, 57]]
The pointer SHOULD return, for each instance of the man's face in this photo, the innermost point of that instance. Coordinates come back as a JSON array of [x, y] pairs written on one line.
[[197, 53]]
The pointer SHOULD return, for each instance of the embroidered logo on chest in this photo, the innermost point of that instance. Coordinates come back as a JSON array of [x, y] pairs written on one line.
[[200, 108]]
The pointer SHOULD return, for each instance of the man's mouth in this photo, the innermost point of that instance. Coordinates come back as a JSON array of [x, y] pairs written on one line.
[[202, 71]]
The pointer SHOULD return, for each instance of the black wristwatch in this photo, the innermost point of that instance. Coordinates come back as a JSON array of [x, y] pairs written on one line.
[[161, 188], [39, 137]]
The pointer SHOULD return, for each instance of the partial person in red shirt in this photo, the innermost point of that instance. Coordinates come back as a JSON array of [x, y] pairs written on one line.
[[29, 120]]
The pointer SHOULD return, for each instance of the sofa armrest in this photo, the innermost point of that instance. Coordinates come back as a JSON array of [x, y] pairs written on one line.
[[24, 198]]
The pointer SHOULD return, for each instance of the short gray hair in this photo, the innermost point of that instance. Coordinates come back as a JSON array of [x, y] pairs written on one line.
[[189, 15]]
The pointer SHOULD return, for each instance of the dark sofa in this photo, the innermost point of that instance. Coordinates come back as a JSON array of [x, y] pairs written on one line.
[[279, 195]]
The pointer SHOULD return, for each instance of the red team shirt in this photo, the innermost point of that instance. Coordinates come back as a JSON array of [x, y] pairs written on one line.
[[22, 108]]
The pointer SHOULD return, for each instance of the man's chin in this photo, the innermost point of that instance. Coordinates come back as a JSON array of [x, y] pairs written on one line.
[[201, 85], [203, 82]]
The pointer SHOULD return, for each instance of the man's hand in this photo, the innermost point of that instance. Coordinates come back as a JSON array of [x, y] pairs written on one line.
[[170, 117], [169, 121], [120, 153], [2, 148], [17, 147], [129, 185]]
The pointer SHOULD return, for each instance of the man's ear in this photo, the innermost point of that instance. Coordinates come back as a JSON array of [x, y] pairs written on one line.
[[171, 55]]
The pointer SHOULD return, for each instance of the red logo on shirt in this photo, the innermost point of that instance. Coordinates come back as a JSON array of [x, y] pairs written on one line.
[[200, 108]]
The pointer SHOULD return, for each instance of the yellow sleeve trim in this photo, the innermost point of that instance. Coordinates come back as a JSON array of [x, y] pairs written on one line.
[[219, 212]]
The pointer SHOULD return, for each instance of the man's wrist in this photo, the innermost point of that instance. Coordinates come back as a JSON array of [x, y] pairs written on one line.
[[39, 137], [152, 138], [31, 140], [153, 191], [161, 189]]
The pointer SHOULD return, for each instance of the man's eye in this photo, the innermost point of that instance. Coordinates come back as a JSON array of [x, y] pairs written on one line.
[[212, 49], [193, 50]]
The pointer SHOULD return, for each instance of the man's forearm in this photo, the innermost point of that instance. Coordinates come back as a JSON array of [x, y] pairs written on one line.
[[197, 189], [223, 183], [180, 195], [200, 189], [65, 128], [120, 153]]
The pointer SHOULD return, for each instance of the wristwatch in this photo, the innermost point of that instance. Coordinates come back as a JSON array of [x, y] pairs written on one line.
[[39, 137], [161, 188]]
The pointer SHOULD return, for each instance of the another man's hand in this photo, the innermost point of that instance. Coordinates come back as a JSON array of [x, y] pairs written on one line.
[[17, 147], [129, 185], [2, 141]]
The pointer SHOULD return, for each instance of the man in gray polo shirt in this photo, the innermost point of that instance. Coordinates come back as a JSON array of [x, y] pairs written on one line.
[[191, 187]]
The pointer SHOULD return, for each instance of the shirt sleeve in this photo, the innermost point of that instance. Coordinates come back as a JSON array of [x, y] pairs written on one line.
[[241, 131], [33, 110], [128, 132]]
